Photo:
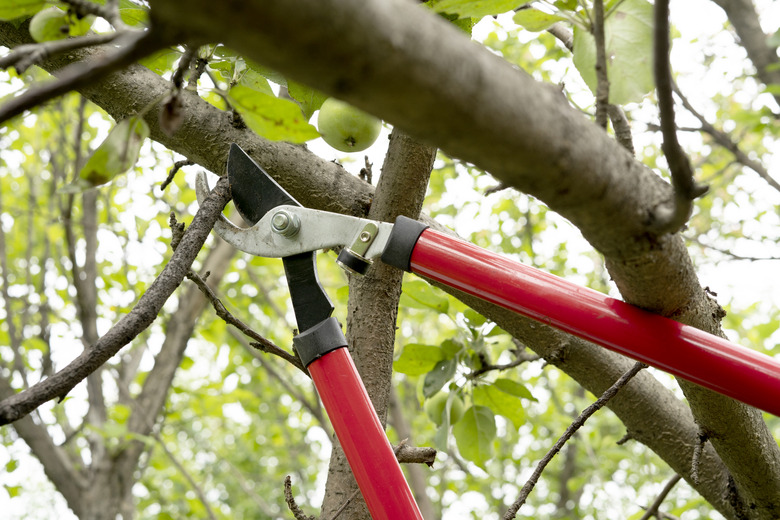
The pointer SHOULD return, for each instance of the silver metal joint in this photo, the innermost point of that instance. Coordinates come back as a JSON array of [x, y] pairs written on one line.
[[285, 223]]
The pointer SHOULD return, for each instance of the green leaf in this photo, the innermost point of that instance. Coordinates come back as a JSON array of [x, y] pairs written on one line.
[[566, 5], [53, 23], [11, 9], [119, 413], [628, 39], [474, 434], [252, 79], [474, 318], [451, 348], [13, 491], [11, 465], [500, 402], [436, 378], [134, 17], [476, 8], [116, 154], [271, 117], [420, 295], [161, 61], [535, 20], [310, 99], [514, 388], [416, 359]]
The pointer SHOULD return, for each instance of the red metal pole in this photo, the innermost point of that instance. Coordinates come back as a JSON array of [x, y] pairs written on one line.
[[679, 349], [362, 437]]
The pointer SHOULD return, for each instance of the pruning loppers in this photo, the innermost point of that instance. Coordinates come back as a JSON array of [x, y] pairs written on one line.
[[281, 227]]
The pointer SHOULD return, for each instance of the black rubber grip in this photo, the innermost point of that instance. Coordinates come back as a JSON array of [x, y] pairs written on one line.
[[403, 237], [317, 341]]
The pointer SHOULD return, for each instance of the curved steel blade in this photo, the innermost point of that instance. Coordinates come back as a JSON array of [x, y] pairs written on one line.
[[255, 193]]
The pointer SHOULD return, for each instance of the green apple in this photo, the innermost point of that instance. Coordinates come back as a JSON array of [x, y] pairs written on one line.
[[436, 407], [347, 128], [53, 23]]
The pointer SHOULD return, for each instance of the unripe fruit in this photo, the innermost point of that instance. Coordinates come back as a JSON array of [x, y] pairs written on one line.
[[49, 24], [347, 128], [436, 407], [53, 23]]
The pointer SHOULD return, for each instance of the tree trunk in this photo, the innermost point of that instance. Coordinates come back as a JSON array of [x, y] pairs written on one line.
[[373, 305]]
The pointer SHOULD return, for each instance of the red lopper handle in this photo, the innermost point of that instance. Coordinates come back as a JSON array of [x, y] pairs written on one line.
[[362, 437], [679, 349]]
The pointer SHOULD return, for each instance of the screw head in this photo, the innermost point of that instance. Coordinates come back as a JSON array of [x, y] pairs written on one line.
[[285, 224], [365, 236]]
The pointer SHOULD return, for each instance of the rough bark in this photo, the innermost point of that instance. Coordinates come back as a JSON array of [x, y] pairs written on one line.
[[416, 71], [373, 304], [600, 188]]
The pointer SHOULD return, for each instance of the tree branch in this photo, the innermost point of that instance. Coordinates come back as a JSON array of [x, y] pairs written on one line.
[[743, 17], [591, 181], [602, 83], [30, 54], [723, 139], [186, 474], [260, 342], [140, 317], [653, 509], [570, 431], [132, 46], [666, 219]]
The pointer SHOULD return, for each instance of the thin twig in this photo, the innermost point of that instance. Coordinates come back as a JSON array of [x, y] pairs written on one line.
[[621, 127], [563, 34], [23, 56], [288, 497], [570, 431], [186, 474], [602, 82], [133, 46], [297, 395], [730, 254], [341, 509], [723, 139], [666, 219], [259, 342], [653, 509], [176, 167], [520, 358]]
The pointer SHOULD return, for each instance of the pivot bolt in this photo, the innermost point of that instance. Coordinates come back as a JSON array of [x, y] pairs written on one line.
[[285, 223]]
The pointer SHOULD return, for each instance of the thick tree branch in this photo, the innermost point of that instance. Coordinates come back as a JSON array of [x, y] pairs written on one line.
[[590, 179], [56, 464], [373, 298], [140, 317]]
